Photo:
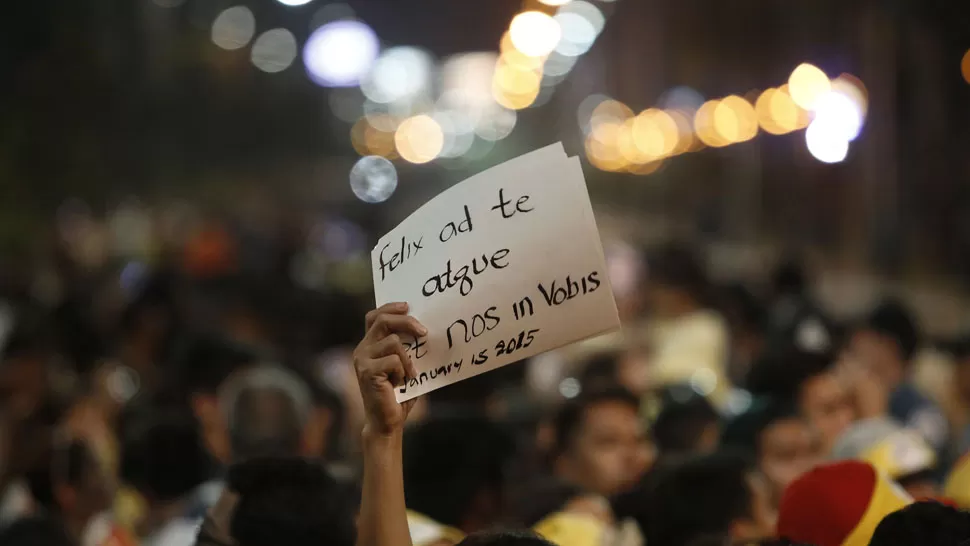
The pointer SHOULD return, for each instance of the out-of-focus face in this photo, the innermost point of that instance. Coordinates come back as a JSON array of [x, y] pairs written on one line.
[[23, 385], [610, 452], [827, 408], [787, 449], [879, 355]]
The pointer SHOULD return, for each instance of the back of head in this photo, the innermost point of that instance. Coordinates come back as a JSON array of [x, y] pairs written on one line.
[[699, 497], [684, 420], [677, 266], [783, 371], [894, 320], [291, 501], [923, 524], [266, 408], [35, 531], [450, 463], [162, 454], [743, 433], [522, 537]]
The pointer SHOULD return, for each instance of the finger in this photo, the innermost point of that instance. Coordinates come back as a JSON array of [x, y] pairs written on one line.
[[386, 324], [391, 345], [397, 307], [389, 366]]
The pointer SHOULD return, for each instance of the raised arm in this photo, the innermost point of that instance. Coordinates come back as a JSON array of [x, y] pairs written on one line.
[[382, 363]]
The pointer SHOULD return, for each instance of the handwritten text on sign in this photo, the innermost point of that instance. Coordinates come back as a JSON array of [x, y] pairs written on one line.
[[500, 267]]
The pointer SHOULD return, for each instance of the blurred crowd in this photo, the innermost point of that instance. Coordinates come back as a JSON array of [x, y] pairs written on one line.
[[173, 386]]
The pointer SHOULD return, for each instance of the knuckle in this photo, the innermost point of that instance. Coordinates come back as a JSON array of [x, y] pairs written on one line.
[[394, 339]]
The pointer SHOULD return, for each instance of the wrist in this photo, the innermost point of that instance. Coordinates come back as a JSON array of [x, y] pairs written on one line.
[[374, 438]]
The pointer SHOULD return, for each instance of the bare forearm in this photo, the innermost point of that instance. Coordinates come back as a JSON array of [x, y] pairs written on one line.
[[383, 513]]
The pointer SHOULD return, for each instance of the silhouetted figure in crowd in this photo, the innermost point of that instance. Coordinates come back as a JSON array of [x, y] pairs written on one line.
[[923, 524]]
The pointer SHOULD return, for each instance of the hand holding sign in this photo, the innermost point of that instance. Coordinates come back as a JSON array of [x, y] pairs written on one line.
[[500, 267]]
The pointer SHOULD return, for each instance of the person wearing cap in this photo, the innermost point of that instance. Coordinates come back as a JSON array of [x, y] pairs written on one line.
[[838, 504], [900, 453], [774, 433], [883, 347]]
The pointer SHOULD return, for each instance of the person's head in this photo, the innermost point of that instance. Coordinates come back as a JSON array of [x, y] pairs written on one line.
[[266, 408], [36, 531], [687, 424], [280, 500], [626, 367], [901, 454], [601, 443], [202, 367], [677, 281], [24, 370], [555, 496], [923, 524], [70, 484], [163, 456], [810, 379], [779, 439], [454, 470], [886, 341], [959, 350], [716, 495], [838, 504], [522, 537]]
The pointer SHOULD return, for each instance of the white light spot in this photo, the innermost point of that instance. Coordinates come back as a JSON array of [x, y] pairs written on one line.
[[339, 54], [400, 73], [570, 387], [373, 179], [841, 113], [703, 381], [274, 50], [496, 124], [534, 33], [578, 34], [584, 113], [826, 142], [557, 66], [587, 11], [294, 2], [234, 28]]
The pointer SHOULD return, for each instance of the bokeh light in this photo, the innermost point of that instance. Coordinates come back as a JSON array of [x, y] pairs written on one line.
[[400, 73], [498, 125], [294, 2], [965, 66], [340, 53], [587, 11], [655, 133], [274, 50], [682, 98], [807, 84], [419, 139], [762, 108], [515, 87], [335, 11], [839, 114], [853, 88], [534, 33], [735, 120], [825, 143], [578, 34], [373, 179], [603, 146], [555, 2], [234, 28], [787, 115], [704, 125]]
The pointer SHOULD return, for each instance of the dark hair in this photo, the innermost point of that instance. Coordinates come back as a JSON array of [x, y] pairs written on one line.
[[60, 465], [569, 419], [544, 498], [203, 363], [698, 497], [782, 372], [925, 523], [893, 319], [292, 501], [744, 432], [162, 454], [600, 370], [682, 420], [517, 537], [449, 461], [35, 531], [678, 266]]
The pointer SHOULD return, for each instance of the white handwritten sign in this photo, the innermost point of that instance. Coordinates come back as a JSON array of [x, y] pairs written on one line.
[[500, 267]]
